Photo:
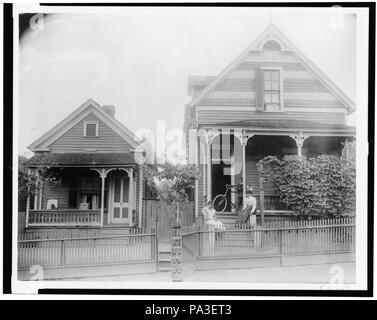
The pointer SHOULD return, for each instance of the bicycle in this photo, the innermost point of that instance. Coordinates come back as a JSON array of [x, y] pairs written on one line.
[[220, 202]]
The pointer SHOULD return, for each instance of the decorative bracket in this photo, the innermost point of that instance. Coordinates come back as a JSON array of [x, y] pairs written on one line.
[[299, 139], [211, 135], [103, 172], [243, 136]]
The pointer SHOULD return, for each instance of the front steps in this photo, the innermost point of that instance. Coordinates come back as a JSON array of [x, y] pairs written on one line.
[[227, 218], [164, 257]]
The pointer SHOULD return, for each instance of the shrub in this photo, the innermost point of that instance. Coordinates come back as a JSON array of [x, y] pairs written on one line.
[[321, 186]]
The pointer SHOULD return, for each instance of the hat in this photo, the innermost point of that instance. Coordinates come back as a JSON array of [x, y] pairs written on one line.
[[249, 188]]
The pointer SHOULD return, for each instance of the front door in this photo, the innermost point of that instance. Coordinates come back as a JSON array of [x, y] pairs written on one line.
[[120, 211]]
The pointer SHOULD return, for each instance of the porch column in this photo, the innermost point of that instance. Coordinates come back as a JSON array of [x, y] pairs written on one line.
[[210, 136], [37, 190], [27, 203], [233, 195], [209, 172], [243, 143], [299, 139], [141, 187], [131, 193], [103, 174], [40, 194], [244, 137]]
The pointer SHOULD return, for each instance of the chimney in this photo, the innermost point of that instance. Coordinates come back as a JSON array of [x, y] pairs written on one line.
[[110, 110]]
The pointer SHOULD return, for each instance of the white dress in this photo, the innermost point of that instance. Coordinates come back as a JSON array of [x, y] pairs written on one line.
[[209, 218]]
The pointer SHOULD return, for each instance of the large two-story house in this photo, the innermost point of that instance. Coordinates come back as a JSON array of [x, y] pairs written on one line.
[[271, 100]]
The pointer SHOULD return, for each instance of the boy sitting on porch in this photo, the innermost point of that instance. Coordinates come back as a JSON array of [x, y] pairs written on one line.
[[249, 209]]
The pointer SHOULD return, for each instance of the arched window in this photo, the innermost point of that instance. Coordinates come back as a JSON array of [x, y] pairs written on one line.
[[272, 45]]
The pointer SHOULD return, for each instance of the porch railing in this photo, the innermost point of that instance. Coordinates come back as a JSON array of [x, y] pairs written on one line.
[[69, 217]]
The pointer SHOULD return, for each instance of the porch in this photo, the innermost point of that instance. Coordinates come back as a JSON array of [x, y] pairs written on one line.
[[90, 196], [231, 152]]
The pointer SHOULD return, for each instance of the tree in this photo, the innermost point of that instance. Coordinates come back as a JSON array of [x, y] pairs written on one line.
[[321, 186], [29, 182], [172, 183]]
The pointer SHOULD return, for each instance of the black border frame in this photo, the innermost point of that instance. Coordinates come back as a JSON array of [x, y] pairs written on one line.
[[8, 149]]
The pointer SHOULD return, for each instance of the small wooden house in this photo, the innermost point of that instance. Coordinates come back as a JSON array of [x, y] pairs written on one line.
[[100, 181], [271, 100]]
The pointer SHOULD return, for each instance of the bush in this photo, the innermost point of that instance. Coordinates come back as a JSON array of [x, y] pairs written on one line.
[[321, 186]]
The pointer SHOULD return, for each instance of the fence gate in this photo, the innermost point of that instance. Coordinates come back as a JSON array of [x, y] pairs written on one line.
[[164, 222]]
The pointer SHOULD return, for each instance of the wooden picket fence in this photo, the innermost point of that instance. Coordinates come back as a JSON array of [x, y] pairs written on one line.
[[275, 238], [59, 250]]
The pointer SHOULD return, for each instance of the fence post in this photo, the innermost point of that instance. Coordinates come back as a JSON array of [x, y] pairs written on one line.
[[154, 246], [281, 246], [199, 241], [176, 253], [62, 253]]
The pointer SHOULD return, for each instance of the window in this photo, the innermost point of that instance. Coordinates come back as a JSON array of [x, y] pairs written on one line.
[[72, 194], [89, 192], [271, 45], [272, 90], [91, 129]]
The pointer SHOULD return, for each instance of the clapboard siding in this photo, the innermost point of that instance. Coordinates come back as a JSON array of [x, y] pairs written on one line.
[[74, 141], [252, 177], [216, 116], [289, 85], [56, 191]]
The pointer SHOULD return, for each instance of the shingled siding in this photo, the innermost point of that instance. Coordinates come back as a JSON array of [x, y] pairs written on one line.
[[216, 116], [201, 189], [74, 141], [301, 89]]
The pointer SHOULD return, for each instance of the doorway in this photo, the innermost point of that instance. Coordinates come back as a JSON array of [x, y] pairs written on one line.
[[119, 199]]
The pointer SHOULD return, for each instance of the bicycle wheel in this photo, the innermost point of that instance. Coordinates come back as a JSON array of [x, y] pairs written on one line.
[[219, 203]]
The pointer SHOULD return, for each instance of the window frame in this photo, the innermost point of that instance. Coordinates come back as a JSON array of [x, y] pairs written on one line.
[[281, 96], [85, 127]]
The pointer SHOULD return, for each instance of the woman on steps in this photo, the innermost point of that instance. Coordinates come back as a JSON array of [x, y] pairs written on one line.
[[209, 214], [249, 209]]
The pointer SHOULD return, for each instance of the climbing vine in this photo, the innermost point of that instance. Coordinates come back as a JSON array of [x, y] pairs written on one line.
[[321, 186]]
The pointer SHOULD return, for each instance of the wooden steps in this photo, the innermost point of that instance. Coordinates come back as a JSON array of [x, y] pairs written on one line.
[[164, 257], [227, 218]]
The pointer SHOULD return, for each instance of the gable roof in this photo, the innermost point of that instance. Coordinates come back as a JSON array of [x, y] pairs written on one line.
[[90, 106], [273, 33]]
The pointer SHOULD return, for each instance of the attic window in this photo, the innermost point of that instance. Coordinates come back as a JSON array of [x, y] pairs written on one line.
[[91, 129], [272, 45]]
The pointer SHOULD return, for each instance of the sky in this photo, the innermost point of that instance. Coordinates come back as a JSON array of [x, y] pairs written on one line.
[[139, 59]]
